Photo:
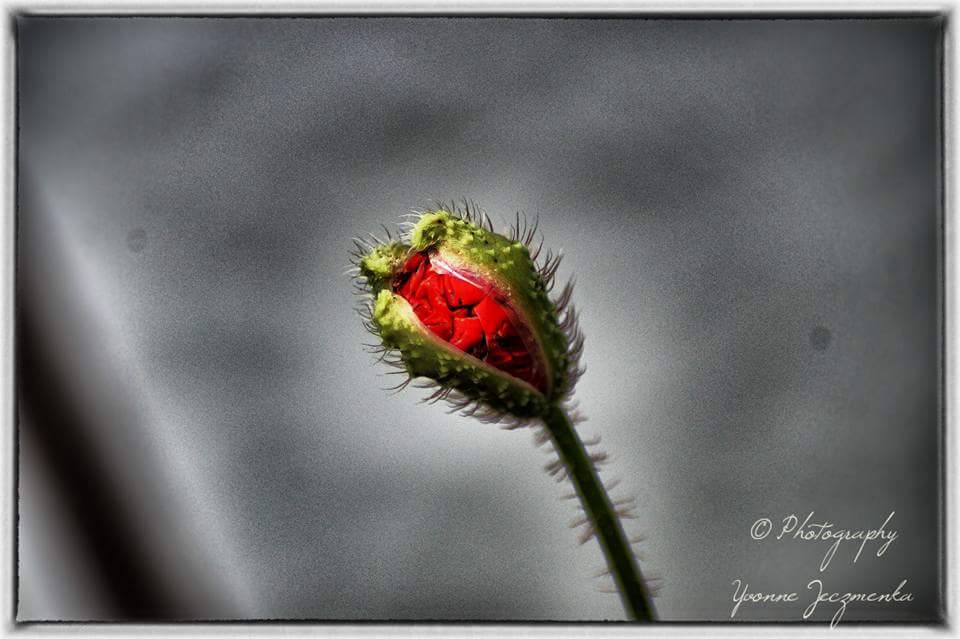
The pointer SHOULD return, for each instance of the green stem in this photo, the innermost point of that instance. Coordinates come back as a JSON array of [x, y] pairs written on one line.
[[603, 518]]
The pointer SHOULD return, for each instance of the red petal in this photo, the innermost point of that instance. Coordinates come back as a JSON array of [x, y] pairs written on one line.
[[493, 317], [467, 316], [467, 333], [460, 292]]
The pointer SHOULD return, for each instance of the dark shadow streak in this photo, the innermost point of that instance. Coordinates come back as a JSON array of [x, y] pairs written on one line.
[[50, 406]]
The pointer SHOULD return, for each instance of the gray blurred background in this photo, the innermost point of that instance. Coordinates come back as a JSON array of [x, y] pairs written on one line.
[[750, 208]]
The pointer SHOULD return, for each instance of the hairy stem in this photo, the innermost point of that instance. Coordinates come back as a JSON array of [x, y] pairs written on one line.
[[623, 565]]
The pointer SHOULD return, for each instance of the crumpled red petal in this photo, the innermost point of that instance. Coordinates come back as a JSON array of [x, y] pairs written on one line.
[[468, 317]]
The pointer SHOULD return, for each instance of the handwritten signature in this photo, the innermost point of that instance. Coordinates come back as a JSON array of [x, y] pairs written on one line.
[[742, 595]]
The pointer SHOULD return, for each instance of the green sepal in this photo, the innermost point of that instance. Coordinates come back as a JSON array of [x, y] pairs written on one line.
[[380, 264], [426, 355]]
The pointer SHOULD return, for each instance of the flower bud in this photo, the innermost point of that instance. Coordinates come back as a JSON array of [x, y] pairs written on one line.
[[469, 309]]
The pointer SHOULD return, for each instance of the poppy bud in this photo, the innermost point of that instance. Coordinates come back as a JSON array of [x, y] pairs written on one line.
[[470, 310]]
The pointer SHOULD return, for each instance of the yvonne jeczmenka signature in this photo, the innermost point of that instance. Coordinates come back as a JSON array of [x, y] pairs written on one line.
[[742, 594]]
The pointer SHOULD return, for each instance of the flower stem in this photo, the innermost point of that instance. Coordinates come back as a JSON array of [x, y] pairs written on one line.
[[623, 565]]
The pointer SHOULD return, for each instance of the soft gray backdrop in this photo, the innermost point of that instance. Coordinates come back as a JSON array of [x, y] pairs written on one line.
[[749, 206]]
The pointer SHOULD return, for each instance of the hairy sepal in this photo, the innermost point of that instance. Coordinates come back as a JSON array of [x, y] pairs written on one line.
[[425, 355]]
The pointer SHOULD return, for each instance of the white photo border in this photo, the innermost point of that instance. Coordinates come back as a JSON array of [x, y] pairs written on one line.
[[947, 270]]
